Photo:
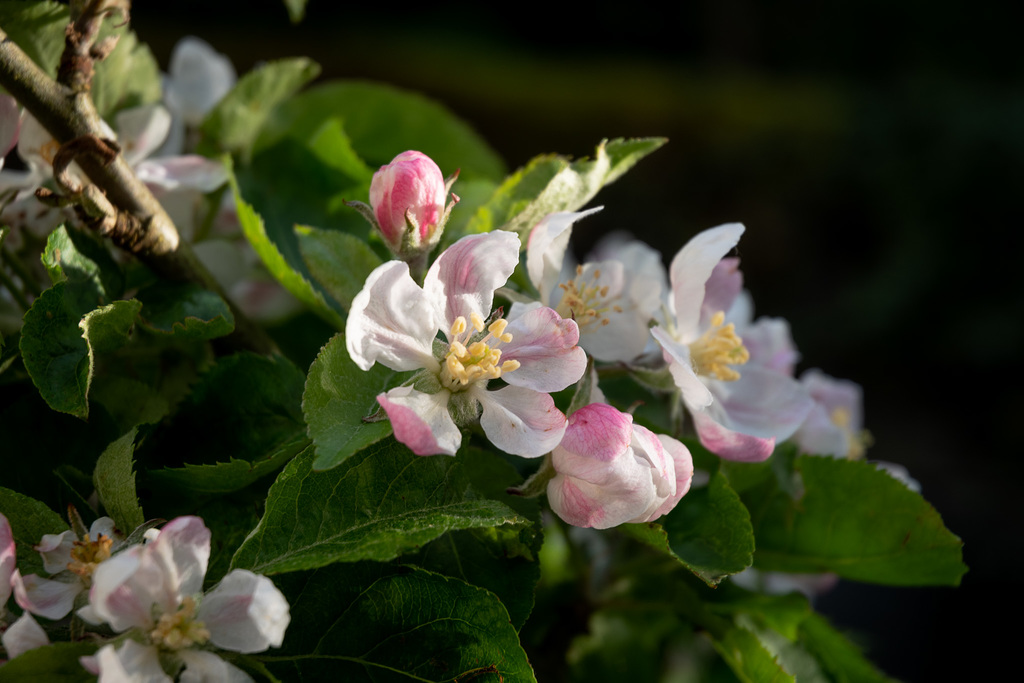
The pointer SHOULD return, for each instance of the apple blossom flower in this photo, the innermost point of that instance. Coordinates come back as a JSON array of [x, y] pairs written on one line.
[[156, 589], [407, 203], [610, 471], [73, 561], [394, 321], [739, 415], [612, 300]]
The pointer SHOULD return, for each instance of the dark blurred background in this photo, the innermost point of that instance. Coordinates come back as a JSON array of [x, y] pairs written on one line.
[[875, 152]]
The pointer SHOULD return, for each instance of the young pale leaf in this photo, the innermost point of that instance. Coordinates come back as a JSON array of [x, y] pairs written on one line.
[[379, 622], [292, 280], [339, 262], [54, 663], [29, 520], [79, 259], [337, 397], [709, 532], [501, 559], [115, 483], [857, 521], [186, 311], [234, 123], [383, 121], [377, 505], [109, 327], [549, 184]]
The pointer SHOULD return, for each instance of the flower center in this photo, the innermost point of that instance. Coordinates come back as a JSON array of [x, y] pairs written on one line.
[[585, 301], [180, 629], [859, 441], [717, 349], [479, 360], [87, 555]]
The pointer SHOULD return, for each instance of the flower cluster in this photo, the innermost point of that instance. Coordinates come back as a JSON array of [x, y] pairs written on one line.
[[152, 592], [690, 331]]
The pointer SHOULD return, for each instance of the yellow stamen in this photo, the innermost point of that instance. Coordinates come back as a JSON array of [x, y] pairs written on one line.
[[717, 349], [481, 359], [459, 326], [586, 302], [478, 322], [87, 555], [180, 629]]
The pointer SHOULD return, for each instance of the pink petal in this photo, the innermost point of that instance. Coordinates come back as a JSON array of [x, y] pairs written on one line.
[[463, 278], [7, 559], [722, 288], [545, 346], [45, 597], [421, 421], [728, 444], [392, 321], [598, 431], [123, 592], [545, 251], [761, 403], [690, 270], [245, 613], [520, 421], [23, 635], [182, 552], [770, 345]]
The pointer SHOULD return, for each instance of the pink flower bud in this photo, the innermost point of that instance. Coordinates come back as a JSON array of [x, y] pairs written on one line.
[[610, 471], [408, 200]]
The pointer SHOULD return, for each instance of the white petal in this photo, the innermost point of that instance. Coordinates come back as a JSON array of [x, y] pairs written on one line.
[[677, 355], [141, 130], [56, 550], [421, 421], [690, 271], [760, 403], [129, 663], [10, 124], [245, 613], [392, 321], [123, 592], [770, 345], [545, 251], [189, 171], [463, 278], [45, 597], [23, 635], [182, 552], [721, 292], [201, 76], [545, 346], [819, 435], [7, 559], [683, 466], [836, 394], [520, 421], [206, 667]]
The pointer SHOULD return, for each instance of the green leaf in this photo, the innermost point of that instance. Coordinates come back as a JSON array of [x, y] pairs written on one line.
[[246, 407], [292, 280], [841, 658], [857, 521], [383, 121], [29, 520], [115, 483], [503, 559], [54, 352], [749, 659], [623, 644], [296, 10], [185, 310], [550, 183], [225, 477], [129, 401], [54, 663], [377, 505], [332, 146], [38, 29], [234, 123], [340, 262], [338, 395], [127, 77], [709, 532], [109, 327], [376, 622], [79, 259]]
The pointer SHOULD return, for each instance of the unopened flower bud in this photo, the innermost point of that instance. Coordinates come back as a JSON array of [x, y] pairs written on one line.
[[407, 198]]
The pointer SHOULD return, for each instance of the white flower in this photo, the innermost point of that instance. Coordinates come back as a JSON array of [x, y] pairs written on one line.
[[157, 589], [738, 413], [395, 322]]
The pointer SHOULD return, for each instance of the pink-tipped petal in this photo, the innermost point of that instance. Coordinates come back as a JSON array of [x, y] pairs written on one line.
[[182, 552], [728, 444], [690, 270], [410, 188], [683, 467], [45, 597], [545, 346], [245, 613], [421, 421], [599, 431], [392, 321], [545, 251], [23, 635], [463, 278], [124, 591], [520, 421]]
